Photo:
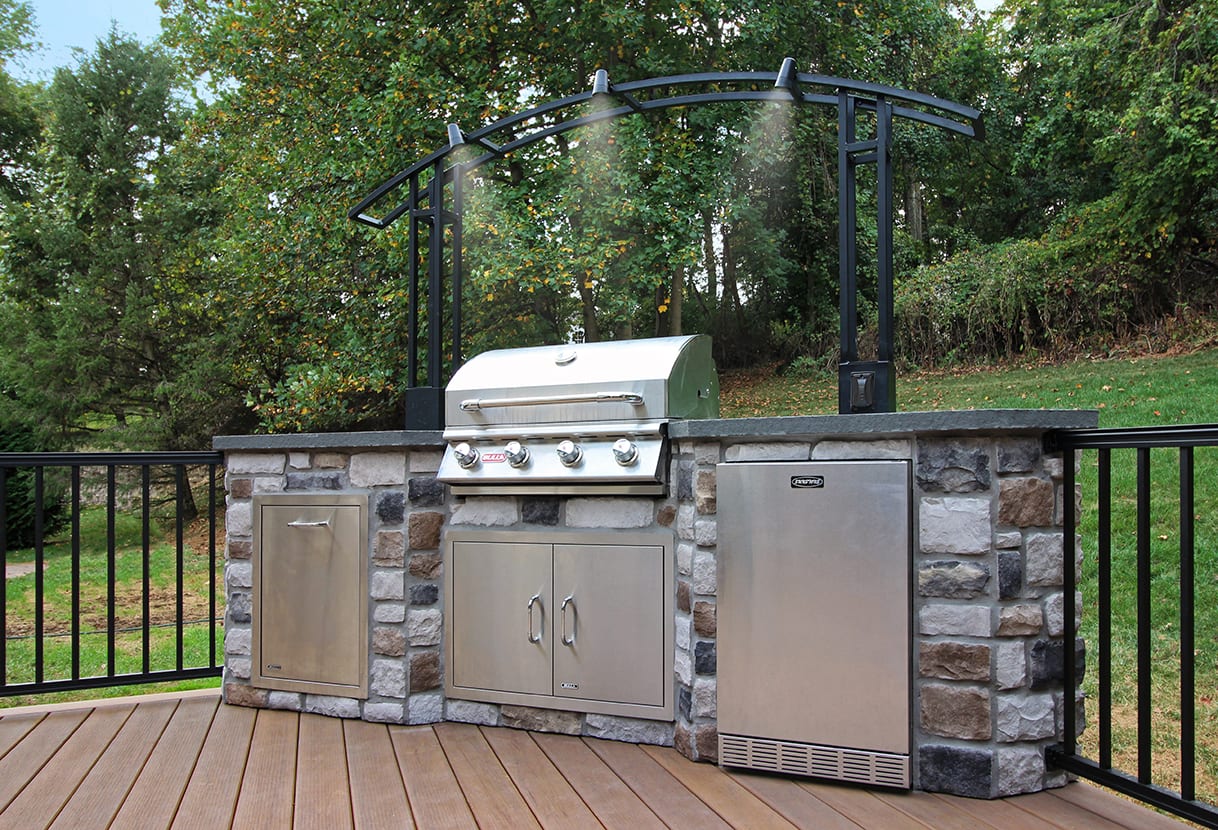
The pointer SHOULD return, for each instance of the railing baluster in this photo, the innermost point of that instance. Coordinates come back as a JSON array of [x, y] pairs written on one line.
[[111, 569], [1104, 572], [146, 551], [4, 567], [39, 576], [75, 573], [1188, 701], [1145, 703], [179, 477], [1070, 681], [211, 564]]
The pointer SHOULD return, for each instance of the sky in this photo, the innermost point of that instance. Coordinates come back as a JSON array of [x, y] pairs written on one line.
[[64, 24]]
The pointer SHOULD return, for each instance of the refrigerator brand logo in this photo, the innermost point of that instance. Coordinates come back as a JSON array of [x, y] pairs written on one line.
[[493, 457], [805, 482], [568, 685]]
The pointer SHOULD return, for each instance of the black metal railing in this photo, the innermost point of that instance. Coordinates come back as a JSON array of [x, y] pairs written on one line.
[[1150, 577], [115, 595]]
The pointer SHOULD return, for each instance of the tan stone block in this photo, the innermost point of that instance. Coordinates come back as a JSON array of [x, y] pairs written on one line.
[[1020, 620], [238, 694], [705, 491], [329, 460], [424, 671], [956, 712], [424, 529], [541, 720], [241, 488], [240, 548], [666, 515], [954, 661], [706, 742], [390, 549], [1025, 502], [705, 622], [683, 601], [388, 641], [426, 565]]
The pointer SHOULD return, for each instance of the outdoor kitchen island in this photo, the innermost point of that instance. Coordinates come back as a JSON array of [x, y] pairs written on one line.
[[984, 573]]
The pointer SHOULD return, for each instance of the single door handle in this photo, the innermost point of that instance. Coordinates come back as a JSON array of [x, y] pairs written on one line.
[[562, 614], [535, 600], [303, 523]]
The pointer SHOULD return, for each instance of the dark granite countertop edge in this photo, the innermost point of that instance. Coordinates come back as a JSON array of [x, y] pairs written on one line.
[[887, 424], [385, 439]]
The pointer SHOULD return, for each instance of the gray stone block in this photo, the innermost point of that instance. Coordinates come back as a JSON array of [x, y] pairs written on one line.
[[1020, 770], [377, 469], [391, 507], [957, 465], [956, 770], [953, 580], [540, 510], [959, 526], [314, 481], [425, 492], [631, 730], [467, 711], [1010, 574]]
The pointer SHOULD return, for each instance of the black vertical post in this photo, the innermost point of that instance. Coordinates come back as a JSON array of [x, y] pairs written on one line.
[[885, 383], [1188, 659], [1069, 681], [1145, 701], [456, 219], [412, 324], [846, 255], [3, 564], [435, 278]]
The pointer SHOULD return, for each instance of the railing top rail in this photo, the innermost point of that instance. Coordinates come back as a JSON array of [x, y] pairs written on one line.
[[1177, 435], [100, 459]]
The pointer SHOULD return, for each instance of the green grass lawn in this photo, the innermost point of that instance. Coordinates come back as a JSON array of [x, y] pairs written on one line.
[[1140, 391], [129, 564]]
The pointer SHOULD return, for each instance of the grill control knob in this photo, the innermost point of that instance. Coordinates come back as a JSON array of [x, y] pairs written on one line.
[[569, 453], [517, 453], [625, 452], [466, 455]]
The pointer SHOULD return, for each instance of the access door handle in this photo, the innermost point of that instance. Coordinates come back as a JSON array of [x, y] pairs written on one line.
[[535, 600], [562, 615], [303, 523]]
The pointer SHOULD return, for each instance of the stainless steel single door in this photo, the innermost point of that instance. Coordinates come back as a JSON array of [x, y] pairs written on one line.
[[502, 616], [814, 603], [609, 623]]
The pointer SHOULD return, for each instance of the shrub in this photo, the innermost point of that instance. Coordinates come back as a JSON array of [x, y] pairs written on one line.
[[20, 503]]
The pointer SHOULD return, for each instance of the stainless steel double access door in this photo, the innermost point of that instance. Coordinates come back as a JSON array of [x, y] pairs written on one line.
[[578, 621]]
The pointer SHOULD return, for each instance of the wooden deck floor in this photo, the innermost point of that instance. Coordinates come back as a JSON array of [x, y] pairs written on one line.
[[190, 762]]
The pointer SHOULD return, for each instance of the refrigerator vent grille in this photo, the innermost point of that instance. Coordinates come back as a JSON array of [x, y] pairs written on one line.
[[856, 765]]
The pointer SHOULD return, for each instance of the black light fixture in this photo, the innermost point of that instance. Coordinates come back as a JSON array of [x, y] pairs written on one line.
[[600, 83], [787, 78], [455, 138]]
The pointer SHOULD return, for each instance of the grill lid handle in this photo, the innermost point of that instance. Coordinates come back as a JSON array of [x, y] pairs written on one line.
[[477, 404]]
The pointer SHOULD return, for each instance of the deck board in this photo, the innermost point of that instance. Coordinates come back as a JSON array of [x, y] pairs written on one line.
[[554, 803], [101, 794], [191, 762], [378, 796], [154, 798]]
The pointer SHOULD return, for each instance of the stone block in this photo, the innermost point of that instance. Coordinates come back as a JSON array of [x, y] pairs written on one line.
[[956, 770], [685, 558], [952, 579], [387, 585], [1010, 574], [833, 450], [704, 700], [331, 706], [424, 626], [298, 460], [686, 514], [423, 529], [683, 632], [239, 574], [424, 461], [955, 620], [541, 720], [389, 549], [467, 711], [377, 469], [237, 641], [391, 507], [540, 510], [706, 452], [685, 704], [957, 465], [769, 451], [422, 709], [666, 515], [955, 712], [389, 612], [1020, 770], [1010, 665], [240, 488], [706, 742], [239, 606], [424, 594], [630, 730], [705, 657], [705, 491], [425, 673], [486, 511], [238, 667], [388, 641], [683, 668], [385, 712], [1007, 539], [1018, 455], [239, 519], [329, 460], [1024, 717], [1020, 620], [1055, 613], [255, 463], [290, 701], [1043, 559], [706, 532], [269, 484], [425, 492], [1045, 662], [239, 548], [239, 694], [959, 526], [1025, 502], [426, 565], [705, 622], [310, 481], [387, 678], [705, 578], [954, 661], [685, 482], [610, 512], [684, 604]]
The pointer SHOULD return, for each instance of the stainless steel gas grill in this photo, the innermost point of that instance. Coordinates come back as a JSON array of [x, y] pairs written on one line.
[[574, 419]]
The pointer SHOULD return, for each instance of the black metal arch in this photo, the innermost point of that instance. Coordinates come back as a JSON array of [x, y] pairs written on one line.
[[863, 386]]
